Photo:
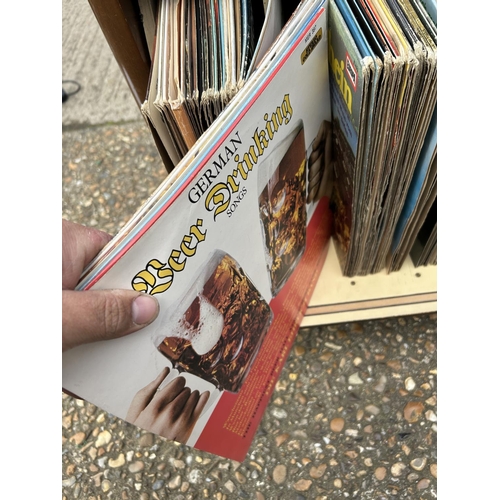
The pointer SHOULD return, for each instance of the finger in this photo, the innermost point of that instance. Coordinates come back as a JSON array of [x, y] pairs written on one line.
[[155, 384], [316, 170], [315, 155], [95, 315], [180, 428], [176, 407], [311, 196], [202, 401], [145, 395], [316, 146], [183, 421], [315, 174], [169, 393], [80, 244], [191, 403]]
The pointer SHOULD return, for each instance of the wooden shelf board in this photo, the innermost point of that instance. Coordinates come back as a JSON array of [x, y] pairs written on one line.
[[338, 299]]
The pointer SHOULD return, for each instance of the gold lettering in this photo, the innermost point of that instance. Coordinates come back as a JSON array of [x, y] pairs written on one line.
[[195, 231], [174, 263], [219, 197], [186, 249], [164, 287], [231, 181], [253, 154], [141, 281], [247, 161], [286, 109], [260, 141], [146, 281], [270, 131]]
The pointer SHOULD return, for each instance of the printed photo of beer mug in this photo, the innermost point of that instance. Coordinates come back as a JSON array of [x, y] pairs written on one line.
[[215, 330], [282, 207]]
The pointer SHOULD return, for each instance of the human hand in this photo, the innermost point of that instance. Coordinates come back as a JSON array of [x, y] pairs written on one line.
[[92, 315], [171, 412], [320, 173]]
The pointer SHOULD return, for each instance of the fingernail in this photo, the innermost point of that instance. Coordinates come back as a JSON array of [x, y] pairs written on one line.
[[144, 309]]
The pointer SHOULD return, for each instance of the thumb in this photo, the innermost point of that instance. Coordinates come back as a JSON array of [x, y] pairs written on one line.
[[90, 316]]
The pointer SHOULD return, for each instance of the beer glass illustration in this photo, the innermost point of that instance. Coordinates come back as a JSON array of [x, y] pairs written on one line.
[[217, 327], [282, 207]]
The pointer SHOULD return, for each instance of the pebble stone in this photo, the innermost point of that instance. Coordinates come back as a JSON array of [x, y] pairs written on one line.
[[372, 409], [229, 486], [337, 424], [434, 471], [397, 469], [136, 466], [281, 439], [118, 462], [146, 440], [410, 384], [412, 477], [418, 463], [103, 439], [423, 484], [106, 485], [158, 484], [413, 410], [355, 379], [279, 474], [302, 484], [77, 438], [431, 416], [70, 481], [317, 472]]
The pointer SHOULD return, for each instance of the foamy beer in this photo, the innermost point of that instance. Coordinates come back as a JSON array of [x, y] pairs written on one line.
[[217, 328], [282, 206]]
